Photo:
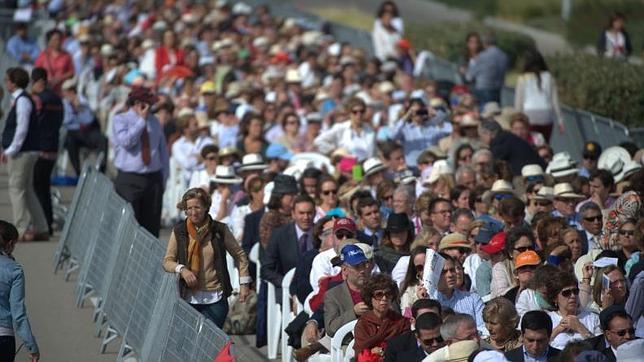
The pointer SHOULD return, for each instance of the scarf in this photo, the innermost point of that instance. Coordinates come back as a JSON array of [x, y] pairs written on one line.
[[194, 246]]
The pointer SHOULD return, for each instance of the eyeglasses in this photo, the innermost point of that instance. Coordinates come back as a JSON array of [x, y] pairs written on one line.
[[622, 332], [522, 249], [588, 157], [569, 292], [431, 341], [211, 158], [627, 232], [357, 111], [381, 294], [329, 192], [593, 218], [343, 235]]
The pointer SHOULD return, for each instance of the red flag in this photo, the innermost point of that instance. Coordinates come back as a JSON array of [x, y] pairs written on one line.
[[224, 355]]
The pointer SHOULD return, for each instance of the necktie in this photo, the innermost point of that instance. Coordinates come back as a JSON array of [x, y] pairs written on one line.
[[145, 146], [303, 243]]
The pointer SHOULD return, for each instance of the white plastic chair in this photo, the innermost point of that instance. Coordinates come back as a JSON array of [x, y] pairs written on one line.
[[254, 257], [336, 342], [274, 322], [287, 315]]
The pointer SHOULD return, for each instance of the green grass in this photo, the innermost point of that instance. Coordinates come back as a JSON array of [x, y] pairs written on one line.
[[349, 16]]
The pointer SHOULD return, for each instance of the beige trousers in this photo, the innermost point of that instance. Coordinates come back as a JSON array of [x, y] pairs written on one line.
[[24, 202]]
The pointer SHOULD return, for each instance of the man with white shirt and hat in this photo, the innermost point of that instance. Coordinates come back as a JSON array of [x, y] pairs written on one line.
[[562, 167], [565, 200], [374, 173]]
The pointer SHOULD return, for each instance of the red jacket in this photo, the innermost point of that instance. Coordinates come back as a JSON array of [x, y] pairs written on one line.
[[163, 58]]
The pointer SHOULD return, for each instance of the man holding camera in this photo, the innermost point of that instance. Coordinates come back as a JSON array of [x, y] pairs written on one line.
[[141, 158], [420, 128]]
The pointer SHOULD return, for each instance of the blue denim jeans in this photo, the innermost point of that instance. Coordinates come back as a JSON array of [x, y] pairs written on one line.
[[216, 312], [487, 95]]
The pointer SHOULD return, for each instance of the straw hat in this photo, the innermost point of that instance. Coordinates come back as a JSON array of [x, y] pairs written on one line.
[[439, 168], [613, 159], [373, 165], [545, 193], [293, 76], [561, 165], [564, 190], [226, 175], [252, 162]]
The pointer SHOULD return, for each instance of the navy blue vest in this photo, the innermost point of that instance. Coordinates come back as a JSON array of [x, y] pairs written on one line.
[[50, 118], [31, 142]]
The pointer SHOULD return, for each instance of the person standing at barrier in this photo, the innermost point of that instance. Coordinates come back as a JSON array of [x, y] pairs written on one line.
[[141, 157], [197, 252], [50, 114], [487, 72], [13, 313], [20, 145]]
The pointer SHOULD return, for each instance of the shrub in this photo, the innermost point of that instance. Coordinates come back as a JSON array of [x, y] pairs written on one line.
[[607, 87], [447, 39]]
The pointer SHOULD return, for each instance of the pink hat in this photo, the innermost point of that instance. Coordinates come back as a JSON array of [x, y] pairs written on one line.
[[346, 164]]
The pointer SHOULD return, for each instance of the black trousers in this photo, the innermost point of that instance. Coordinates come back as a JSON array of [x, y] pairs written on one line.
[[92, 139], [144, 191], [7, 348], [42, 187]]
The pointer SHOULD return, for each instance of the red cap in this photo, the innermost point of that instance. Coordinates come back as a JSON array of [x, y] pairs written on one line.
[[345, 224], [496, 244], [143, 94], [404, 43]]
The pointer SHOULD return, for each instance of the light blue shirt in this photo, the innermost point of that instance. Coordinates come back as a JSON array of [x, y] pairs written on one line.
[[417, 138], [126, 137], [487, 69], [75, 118], [16, 46], [572, 220], [467, 303]]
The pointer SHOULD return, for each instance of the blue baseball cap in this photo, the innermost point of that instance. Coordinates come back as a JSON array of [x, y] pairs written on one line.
[[487, 231], [353, 255], [276, 150]]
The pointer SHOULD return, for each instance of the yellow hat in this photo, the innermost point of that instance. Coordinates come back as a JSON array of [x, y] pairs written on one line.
[[208, 87]]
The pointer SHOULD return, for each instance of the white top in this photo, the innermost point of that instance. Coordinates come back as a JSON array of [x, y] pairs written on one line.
[[615, 44], [527, 301], [322, 267], [23, 110], [400, 270], [237, 220], [384, 42], [341, 135], [200, 178], [588, 319], [214, 207], [540, 103], [501, 280], [187, 154], [470, 265]]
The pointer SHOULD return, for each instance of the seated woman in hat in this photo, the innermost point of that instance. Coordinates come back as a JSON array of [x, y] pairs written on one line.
[[197, 252], [375, 327], [222, 202], [395, 243]]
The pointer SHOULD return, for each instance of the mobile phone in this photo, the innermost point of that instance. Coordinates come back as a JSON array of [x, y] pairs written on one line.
[[357, 173]]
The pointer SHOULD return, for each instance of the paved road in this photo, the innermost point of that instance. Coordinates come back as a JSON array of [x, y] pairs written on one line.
[[66, 333]]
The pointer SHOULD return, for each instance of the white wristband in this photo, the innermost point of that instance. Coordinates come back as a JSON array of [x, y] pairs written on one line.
[[178, 268]]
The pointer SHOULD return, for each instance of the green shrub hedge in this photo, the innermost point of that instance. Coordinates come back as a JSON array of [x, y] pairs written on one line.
[[607, 87], [448, 39]]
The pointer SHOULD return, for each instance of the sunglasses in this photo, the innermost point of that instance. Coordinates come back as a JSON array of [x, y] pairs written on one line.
[[569, 292], [593, 218], [542, 203], [627, 232], [592, 158], [357, 111], [212, 158], [329, 192], [381, 294], [522, 249], [622, 332], [431, 341], [341, 235]]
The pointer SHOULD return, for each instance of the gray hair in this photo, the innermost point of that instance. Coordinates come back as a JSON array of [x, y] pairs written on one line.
[[590, 205], [461, 171], [405, 190], [491, 126], [482, 152], [451, 324]]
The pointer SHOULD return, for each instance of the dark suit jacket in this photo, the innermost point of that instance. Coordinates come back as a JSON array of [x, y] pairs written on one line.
[[404, 348], [281, 254], [251, 230], [369, 240], [599, 344], [516, 355], [514, 150], [301, 285]]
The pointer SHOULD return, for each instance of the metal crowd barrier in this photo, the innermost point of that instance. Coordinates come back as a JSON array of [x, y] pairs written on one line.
[[118, 265]]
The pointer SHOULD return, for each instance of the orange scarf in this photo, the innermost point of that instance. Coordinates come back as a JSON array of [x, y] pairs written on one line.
[[194, 246]]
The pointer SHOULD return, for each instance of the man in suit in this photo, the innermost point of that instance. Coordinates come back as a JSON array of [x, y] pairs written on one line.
[[287, 244], [618, 329], [591, 223], [371, 222], [417, 344], [508, 147], [250, 235], [536, 328]]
